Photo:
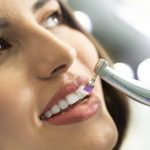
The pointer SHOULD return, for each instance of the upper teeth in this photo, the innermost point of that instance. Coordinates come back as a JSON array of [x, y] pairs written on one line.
[[66, 102]]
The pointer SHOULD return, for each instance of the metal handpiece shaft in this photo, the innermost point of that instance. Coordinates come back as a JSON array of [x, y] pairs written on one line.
[[133, 88]]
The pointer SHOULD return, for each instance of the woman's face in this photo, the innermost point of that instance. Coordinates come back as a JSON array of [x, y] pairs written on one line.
[[43, 61]]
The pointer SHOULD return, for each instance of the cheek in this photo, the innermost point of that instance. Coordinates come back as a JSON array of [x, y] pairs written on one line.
[[86, 51], [15, 106]]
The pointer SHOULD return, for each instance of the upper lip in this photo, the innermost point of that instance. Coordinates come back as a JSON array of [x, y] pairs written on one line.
[[65, 90]]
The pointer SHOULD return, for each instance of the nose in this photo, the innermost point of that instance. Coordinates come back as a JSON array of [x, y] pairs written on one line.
[[48, 55]]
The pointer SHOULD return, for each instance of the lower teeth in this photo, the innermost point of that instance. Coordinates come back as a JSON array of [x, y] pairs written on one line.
[[65, 110]]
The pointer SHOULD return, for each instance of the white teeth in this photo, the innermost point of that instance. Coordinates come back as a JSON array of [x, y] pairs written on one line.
[[63, 104], [72, 98], [81, 93], [55, 109], [48, 114]]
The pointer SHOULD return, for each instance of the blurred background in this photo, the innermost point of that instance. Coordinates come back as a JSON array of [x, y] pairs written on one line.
[[123, 29]]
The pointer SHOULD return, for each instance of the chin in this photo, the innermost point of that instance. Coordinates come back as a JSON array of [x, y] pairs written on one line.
[[102, 135], [95, 135]]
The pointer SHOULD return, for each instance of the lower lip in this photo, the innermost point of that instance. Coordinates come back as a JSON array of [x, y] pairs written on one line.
[[81, 112]]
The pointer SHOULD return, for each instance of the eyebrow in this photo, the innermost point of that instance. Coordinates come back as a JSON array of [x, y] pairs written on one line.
[[39, 4]]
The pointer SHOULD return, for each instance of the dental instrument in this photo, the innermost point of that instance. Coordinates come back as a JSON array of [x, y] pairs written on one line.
[[132, 88]]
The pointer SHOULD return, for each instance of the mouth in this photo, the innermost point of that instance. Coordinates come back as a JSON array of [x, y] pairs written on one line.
[[70, 105]]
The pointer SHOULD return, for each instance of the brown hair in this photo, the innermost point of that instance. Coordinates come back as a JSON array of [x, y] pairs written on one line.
[[116, 102]]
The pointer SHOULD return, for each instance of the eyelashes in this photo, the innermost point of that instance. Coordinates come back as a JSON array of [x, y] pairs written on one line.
[[52, 21], [4, 44]]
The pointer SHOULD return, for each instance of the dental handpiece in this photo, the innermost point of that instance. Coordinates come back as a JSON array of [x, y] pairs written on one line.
[[132, 88]]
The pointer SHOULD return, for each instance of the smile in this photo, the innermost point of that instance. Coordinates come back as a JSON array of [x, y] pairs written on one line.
[[65, 104], [71, 104]]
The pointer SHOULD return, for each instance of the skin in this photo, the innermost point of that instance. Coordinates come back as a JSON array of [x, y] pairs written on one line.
[[27, 82]]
